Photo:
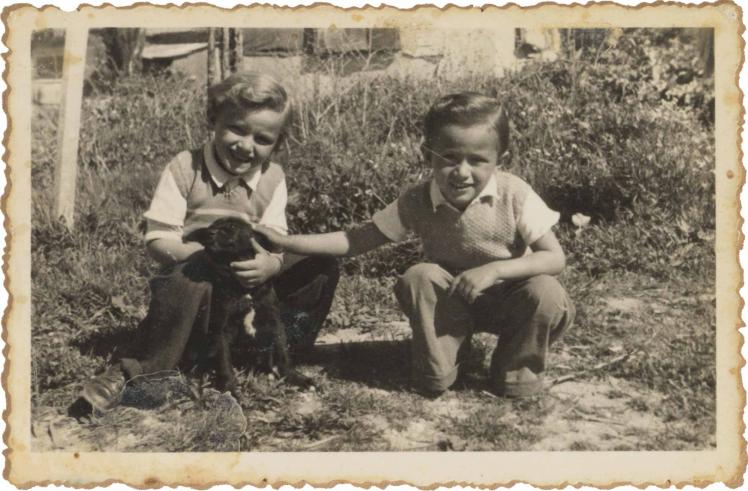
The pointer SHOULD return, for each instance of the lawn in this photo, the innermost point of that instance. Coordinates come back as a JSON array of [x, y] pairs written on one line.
[[636, 371]]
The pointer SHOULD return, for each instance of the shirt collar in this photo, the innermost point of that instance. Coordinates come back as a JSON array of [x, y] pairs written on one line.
[[221, 176], [438, 199]]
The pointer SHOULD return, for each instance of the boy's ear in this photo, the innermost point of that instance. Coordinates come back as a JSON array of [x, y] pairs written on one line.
[[281, 144], [424, 151], [504, 159]]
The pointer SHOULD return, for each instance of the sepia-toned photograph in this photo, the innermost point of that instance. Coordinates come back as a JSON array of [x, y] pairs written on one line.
[[325, 238]]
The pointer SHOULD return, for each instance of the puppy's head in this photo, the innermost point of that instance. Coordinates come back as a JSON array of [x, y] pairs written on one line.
[[226, 240]]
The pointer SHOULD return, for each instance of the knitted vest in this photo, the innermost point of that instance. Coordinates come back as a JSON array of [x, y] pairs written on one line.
[[206, 202], [485, 231]]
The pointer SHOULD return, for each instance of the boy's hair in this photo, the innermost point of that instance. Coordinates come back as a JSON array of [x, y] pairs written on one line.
[[465, 109], [250, 91]]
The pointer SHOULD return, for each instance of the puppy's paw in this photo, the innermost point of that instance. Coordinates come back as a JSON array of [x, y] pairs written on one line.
[[230, 385], [236, 394]]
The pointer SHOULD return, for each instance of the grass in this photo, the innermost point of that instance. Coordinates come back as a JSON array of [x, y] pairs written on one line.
[[641, 274]]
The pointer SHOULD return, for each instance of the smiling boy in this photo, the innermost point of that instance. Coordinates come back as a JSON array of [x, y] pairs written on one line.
[[490, 250], [232, 175]]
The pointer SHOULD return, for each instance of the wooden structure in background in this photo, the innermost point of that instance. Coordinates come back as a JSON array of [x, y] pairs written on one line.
[[74, 64], [225, 53]]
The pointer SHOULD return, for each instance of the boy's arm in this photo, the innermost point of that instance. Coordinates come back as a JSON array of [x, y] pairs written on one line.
[[348, 243], [169, 251], [165, 218], [547, 257]]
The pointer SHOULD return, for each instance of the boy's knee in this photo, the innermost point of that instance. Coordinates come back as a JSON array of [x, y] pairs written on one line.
[[420, 275], [326, 266], [330, 266], [544, 289], [548, 296], [436, 382]]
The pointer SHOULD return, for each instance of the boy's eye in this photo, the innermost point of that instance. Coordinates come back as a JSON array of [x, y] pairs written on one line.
[[450, 158], [265, 140]]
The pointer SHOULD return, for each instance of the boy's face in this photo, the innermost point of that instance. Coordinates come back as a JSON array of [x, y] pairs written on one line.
[[463, 159], [245, 138]]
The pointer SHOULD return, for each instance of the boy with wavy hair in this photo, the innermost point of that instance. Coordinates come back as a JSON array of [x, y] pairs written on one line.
[[232, 175], [491, 254]]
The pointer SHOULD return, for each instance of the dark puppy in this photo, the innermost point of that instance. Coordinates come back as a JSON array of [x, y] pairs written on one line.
[[225, 241]]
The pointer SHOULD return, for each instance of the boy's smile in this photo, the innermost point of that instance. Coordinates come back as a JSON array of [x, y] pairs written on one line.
[[463, 159], [246, 138]]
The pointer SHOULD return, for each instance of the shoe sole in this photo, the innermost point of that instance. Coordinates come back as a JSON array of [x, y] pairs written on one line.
[[527, 389]]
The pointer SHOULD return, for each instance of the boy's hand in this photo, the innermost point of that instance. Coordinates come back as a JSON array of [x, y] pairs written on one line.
[[258, 270], [469, 284], [278, 240]]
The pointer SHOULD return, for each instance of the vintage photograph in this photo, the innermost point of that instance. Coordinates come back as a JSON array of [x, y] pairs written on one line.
[[392, 238]]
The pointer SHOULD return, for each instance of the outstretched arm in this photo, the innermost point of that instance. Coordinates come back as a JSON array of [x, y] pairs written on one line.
[[348, 243]]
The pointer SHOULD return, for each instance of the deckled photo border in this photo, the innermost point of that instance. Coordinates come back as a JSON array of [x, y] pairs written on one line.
[[726, 463]]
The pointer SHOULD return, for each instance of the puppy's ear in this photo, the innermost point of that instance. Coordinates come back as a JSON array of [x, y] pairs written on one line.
[[204, 236]]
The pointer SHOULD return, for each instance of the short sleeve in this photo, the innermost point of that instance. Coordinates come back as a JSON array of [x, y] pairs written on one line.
[[157, 230], [168, 205], [275, 213], [388, 222], [536, 218]]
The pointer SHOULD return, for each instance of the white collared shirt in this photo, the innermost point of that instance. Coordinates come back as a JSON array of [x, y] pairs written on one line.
[[535, 221], [165, 217]]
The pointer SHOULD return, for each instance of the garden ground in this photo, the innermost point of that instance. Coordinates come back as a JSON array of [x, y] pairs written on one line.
[[594, 399]]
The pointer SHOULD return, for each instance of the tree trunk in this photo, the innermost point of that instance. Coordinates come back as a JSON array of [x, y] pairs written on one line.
[[124, 49]]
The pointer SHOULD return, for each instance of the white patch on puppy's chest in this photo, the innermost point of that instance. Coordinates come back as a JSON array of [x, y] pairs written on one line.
[[249, 318]]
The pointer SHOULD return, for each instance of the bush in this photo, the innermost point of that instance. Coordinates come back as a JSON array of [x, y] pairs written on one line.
[[146, 120], [595, 133]]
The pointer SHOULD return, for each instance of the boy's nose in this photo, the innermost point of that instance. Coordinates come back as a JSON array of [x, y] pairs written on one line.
[[247, 145], [463, 169]]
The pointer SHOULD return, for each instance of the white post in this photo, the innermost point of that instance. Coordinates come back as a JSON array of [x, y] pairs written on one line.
[[68, 129]]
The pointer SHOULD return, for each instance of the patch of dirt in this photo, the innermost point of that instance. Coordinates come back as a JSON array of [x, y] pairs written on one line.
[[157, 413], [307, 403], [391, 331], [598, 415], [418, 435], [609, 414], [623, 304]]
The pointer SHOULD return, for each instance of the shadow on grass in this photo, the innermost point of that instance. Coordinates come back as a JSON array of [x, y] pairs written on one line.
[[113, 341], [384, 365], [378, 364]]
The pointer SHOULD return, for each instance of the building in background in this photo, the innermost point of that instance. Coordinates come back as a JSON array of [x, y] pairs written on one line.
[[47, 49], [308, 58]]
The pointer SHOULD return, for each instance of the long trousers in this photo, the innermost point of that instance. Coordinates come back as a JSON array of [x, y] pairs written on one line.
[[178, 316], [527, 315]]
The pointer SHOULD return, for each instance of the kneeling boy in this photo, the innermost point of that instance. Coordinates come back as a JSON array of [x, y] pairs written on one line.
[[491, 254]]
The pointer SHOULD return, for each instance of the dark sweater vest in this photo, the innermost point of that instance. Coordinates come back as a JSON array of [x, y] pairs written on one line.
[[206, 202]]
